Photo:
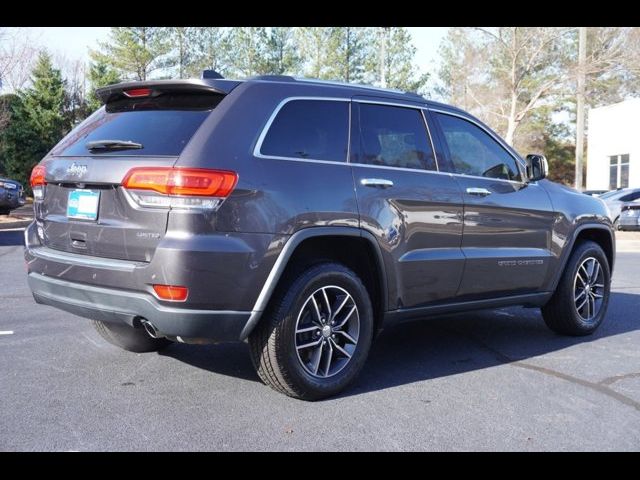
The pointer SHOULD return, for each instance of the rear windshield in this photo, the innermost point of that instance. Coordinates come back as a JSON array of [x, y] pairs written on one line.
[[162, 125]]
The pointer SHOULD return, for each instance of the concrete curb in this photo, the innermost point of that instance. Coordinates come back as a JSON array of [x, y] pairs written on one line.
[[13, 225]]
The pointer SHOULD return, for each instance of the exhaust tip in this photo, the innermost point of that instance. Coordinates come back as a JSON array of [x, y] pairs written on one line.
[[150, 328]]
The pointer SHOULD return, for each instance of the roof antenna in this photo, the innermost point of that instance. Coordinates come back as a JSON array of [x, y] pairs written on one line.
[[210, 74]]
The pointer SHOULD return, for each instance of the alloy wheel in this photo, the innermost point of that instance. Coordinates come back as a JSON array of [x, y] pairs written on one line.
[[327, 331]]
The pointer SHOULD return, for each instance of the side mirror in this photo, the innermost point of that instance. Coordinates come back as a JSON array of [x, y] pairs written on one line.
[[537, 167]]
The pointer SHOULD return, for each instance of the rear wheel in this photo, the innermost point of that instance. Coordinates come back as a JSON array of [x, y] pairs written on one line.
[[4, 211], [580, 301], [129, 338], [315, 338]]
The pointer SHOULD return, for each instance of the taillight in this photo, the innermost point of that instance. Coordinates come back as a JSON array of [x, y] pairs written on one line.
[[37, 181], [37, 176], [171, 293], [179, 187]]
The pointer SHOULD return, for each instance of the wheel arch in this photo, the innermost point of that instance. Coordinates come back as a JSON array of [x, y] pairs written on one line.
[[598, 233], [293, 249]]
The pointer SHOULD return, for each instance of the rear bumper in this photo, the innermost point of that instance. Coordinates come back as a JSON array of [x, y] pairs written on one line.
[[113, 305], [629, 223]]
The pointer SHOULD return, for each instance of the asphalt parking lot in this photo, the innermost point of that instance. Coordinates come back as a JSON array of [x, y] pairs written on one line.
[[491, 380]]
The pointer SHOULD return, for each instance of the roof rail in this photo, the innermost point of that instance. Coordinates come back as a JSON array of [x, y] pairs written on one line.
[[288, 78], [359, 85], [274, 78]]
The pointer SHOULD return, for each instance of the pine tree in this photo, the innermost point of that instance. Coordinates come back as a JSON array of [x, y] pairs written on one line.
[[211, 45], [247, 45], [280, 53], [314, 47], [134, 52], [100, 75], [393, 65], [37, 121], [183, 54], [348, 49]]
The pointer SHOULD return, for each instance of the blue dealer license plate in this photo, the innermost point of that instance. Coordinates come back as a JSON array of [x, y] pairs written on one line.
[[83, 204]]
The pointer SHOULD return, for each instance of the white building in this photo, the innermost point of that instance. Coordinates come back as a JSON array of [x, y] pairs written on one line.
[[613, 154]]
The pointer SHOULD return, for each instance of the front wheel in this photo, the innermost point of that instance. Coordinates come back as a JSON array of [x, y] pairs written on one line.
[[316, 336], [580, 301]]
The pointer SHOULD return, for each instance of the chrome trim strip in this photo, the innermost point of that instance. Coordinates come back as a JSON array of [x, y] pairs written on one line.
[[402, 169], [410, 103], [502, 143], [84, 260], [265, 129]]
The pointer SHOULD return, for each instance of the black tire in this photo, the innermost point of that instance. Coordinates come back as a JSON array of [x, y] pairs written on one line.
[[561, 313], [4, 211], [129, 338], [273, 342]]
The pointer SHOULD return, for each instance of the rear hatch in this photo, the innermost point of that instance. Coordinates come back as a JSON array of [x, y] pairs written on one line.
[[84, 209]]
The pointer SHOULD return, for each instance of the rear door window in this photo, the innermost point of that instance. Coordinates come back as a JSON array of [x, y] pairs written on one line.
[[393, 137], [162, 125], [309, 130]]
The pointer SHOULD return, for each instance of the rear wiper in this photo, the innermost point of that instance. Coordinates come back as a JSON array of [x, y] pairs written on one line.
[[113, 145]]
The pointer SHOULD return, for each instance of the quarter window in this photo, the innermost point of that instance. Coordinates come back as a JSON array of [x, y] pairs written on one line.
[[474, 152], [393, 137], [309, 129]]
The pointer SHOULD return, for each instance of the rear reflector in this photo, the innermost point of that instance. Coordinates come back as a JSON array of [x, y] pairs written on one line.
[[37, 176], [171, 293], [182, 181], [137, 92]]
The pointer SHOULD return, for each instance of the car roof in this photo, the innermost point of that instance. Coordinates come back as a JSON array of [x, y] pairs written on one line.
[[225, 86]]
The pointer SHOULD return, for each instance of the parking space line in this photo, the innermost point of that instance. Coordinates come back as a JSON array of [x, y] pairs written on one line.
[[6, 332]]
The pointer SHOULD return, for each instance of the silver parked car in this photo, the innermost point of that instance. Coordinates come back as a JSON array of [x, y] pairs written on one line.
[[615, 200]]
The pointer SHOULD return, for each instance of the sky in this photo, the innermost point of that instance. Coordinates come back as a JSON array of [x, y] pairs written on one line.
[[73, 42]]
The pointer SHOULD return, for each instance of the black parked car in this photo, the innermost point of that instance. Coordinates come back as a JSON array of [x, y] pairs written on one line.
[[11, 195], [302, 216]]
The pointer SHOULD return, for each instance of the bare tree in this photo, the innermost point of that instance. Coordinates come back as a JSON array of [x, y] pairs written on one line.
[[17, 56], [514, 70]]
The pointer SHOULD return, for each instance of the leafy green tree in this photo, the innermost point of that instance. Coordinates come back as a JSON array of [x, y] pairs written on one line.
[[134, 52], [100, 75], [37, 122]]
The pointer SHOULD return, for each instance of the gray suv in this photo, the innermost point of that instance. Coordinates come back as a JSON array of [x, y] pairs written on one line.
[[302, 216]]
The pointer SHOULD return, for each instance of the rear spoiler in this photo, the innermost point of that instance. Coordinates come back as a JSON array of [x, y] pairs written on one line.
[[115, 91]]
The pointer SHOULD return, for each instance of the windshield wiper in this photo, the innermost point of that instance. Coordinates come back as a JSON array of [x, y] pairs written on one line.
[[113, 145]]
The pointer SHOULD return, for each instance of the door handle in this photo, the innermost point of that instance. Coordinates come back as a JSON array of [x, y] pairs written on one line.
[[376, 182], [481, 192]]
